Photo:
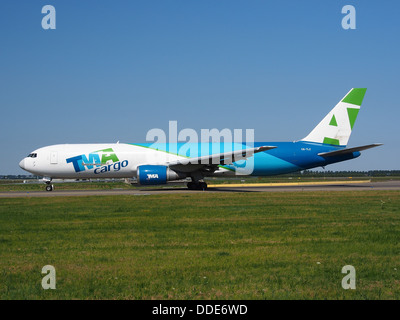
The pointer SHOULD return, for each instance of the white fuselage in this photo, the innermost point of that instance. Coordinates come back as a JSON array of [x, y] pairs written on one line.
[[83, 161]]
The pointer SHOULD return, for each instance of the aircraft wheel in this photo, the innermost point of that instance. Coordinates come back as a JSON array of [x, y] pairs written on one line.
[[202, 186], [49, 187], [197, 186], [191, 186]]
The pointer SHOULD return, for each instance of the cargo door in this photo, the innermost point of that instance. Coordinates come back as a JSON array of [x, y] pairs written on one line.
[[53, 157]]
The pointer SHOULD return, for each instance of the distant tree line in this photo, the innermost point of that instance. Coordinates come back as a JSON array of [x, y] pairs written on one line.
[[329, 173], [19, 176]]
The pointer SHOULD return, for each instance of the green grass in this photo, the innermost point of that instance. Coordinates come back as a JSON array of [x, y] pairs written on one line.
[[202, 246]]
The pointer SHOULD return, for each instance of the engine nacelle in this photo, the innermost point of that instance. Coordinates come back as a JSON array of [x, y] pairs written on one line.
[[154, 174]]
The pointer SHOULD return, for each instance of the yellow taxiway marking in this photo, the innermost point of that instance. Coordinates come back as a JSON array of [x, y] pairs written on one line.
[[284, 184]]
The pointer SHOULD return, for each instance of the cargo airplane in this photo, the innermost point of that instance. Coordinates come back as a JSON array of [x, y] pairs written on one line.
[[324, 145]]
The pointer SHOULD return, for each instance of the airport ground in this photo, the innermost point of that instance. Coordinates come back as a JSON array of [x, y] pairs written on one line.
[[230, 243], [108, 188], [27, 187]]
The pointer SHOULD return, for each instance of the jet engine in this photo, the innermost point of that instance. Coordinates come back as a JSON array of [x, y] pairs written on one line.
[[155, 174]]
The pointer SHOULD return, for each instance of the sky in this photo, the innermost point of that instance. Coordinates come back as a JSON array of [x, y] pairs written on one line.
[[113, 70]]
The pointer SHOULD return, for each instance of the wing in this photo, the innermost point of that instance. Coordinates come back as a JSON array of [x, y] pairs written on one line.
[[214, 160]]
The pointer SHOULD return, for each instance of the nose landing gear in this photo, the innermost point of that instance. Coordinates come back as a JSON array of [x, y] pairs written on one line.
[[49, 186]]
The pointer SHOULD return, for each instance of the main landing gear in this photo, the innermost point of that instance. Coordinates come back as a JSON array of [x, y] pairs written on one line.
[[197, 185]]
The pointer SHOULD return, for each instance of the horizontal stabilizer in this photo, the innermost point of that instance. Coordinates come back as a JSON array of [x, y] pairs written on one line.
[[348, 150]]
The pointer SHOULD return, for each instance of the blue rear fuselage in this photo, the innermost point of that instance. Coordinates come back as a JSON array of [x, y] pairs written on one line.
[[295, 156]]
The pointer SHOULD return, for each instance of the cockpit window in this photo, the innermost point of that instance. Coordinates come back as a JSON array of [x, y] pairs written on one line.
[[32, 155]]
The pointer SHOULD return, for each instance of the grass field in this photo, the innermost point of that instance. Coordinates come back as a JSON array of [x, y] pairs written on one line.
[[202, 246]]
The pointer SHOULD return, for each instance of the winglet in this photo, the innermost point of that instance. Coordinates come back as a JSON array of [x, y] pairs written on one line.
[[264, 148]]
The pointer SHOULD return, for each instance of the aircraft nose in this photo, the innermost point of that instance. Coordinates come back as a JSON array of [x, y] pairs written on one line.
[[22, 164]]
